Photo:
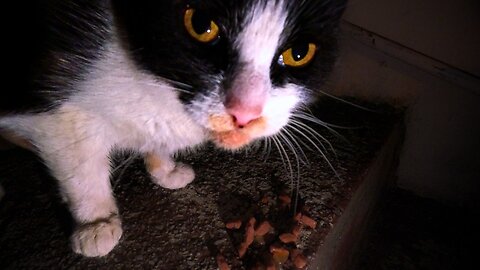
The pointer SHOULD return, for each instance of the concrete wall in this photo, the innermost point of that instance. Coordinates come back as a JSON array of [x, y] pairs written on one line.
[[442, 29], [422, 54]]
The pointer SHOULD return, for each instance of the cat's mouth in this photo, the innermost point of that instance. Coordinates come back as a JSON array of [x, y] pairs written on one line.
[[225, 134]]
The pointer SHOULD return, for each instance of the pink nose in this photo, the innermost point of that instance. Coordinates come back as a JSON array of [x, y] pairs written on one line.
[[243, 116]]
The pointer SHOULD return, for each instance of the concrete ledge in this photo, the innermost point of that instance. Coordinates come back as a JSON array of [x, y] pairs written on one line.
[[341, 245]]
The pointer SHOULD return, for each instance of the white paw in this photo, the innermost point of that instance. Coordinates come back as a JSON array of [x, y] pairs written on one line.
[[179, 177], [97, 239]]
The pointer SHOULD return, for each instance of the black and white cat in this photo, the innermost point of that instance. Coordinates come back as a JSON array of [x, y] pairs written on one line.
[[157, 77]]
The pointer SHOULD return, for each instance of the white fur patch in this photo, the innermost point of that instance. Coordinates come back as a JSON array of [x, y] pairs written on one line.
[[258, 42], [118, 106]]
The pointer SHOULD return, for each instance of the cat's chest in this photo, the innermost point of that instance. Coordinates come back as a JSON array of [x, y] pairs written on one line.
[[166, 127], [142, 113]]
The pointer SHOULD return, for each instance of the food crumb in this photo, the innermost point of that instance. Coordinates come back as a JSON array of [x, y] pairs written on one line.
[[280, 255], [249, 237], [263, 228], [285, 200], [308, 221], [297, 229], [300, 261], [222, 262], [287, 238], [234, 224]]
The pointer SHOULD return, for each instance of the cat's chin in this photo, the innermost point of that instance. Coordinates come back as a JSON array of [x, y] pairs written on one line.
[[225, 135], [231, 140]]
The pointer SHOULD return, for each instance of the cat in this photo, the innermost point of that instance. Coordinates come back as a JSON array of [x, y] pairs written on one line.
[[157, 77]]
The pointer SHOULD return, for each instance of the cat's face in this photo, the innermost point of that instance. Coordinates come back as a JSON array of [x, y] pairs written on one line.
[[241, 66]]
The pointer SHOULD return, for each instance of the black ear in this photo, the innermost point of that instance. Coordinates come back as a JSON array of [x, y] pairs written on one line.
[[337, 8], [315, 16], [330, 10]]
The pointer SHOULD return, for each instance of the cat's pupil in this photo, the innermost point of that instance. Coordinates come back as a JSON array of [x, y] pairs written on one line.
[[201, 22], [299, 51]]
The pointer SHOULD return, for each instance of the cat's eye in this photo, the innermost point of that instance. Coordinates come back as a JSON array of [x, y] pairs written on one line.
[[299, 55], [200, 27]]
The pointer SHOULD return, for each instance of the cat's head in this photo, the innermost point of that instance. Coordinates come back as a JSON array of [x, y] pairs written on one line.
[[241, 66]]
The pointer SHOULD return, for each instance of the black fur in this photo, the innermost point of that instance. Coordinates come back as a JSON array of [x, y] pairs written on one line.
[[160, 44], [54, 45], [58, 41]]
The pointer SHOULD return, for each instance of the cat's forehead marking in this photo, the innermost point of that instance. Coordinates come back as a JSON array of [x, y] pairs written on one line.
[[258, 41]]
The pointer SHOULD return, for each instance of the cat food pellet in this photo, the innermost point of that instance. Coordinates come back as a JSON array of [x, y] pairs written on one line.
[[271, 267], [263, 228], [242, 249], [280, 255], [308, 221], [222, 263], [260, 240], [297, 217], [300, 261], [234, 224], [275, 247], [287, 238], [297, 229], [285, 199], [265, 199], [294, 253], [270, 264], [249, 237], [258, 266]]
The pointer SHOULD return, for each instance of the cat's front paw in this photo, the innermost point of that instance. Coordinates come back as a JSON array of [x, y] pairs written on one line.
[[179, 177], [97, 239]]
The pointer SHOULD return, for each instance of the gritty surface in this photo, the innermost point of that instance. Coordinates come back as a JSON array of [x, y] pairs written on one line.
[[185, 229]]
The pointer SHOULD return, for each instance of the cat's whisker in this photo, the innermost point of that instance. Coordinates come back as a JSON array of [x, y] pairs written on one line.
[[184, 91], [295, 183], [307, 118], [266, 148], [312, 118], [296, 125], [125, 164], [283, 154], [322, 153], [292, 139], [289, 144], [343, 100]]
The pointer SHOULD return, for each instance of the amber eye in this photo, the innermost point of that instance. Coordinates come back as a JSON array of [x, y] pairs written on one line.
[[199, 26], [298, 56]]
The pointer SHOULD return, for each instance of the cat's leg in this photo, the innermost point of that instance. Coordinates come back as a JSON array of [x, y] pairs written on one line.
[[166, 173], [83, 169]]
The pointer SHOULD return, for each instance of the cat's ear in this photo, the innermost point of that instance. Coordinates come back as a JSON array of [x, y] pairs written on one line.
[[324, 14], [336, 10]]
